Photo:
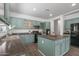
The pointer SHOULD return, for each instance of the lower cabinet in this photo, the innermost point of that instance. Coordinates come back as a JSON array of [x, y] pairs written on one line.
[[27, 39], [45, 46], [53, 47], [63, 43], [67, 44], [57, 48]]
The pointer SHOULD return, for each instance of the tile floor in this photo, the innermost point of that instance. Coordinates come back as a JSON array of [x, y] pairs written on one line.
[[16, 48]]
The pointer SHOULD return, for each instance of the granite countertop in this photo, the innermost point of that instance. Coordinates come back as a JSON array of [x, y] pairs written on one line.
[[19, 32], [14, 32], [54, 37]]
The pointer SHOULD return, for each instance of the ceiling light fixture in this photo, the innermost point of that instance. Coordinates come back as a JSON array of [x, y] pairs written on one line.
[[34, 9], [74, 4], [50, 14]]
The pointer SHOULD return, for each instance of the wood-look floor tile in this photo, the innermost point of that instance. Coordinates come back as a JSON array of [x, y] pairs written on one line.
[[18, 49]]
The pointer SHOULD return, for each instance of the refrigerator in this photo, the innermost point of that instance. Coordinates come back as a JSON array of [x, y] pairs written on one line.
[[75, 34]]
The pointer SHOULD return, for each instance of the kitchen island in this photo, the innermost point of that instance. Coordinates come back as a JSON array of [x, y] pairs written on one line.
[[53, 45]]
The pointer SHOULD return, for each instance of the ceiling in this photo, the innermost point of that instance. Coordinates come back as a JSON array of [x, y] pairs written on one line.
[[42, 9]]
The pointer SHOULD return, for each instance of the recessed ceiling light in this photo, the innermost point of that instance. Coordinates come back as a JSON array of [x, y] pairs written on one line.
[[50, 15], [74, 4], [34, 9]]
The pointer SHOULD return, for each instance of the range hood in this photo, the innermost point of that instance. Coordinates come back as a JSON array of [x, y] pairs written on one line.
[[6, 17]]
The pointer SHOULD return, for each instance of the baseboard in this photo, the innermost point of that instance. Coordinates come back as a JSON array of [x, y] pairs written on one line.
[[41, 52]]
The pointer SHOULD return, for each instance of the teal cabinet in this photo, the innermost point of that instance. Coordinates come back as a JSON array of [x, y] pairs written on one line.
[[45, 46], [63, 51], [36, 23], [53, 47], [48, 45], [68, 22], [67, 44], [27, 39], [57, 48], [47, 25], [42, 25], [18, 23]]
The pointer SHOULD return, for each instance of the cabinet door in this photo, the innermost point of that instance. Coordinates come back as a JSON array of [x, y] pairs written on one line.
[[27, 39], [47, 25], [63, 46], [18, 23], [31, 38], [57, 48], [67, 44], [45, 45], [22, 38], [42, 25], [40, 46], [49, 47]]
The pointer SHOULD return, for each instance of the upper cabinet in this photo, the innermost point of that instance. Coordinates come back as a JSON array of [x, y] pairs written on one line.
[[68, 22], [47, 25], [18, 23], [42, 25], [31, 24], [28, 24]]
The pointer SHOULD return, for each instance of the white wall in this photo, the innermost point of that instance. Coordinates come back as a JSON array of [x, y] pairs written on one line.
[[61, 24], [52, 26]]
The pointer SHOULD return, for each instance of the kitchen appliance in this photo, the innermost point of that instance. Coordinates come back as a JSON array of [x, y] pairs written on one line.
[[47, 31], [75, 34], [35, 36]]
